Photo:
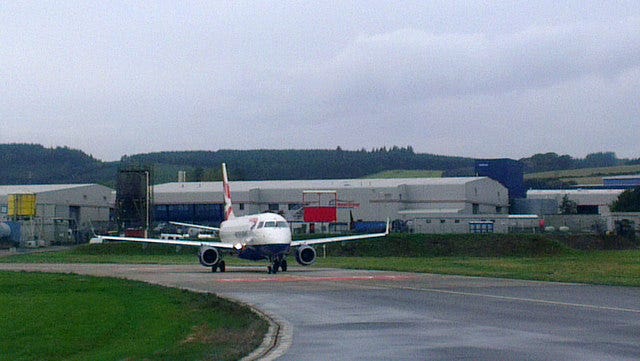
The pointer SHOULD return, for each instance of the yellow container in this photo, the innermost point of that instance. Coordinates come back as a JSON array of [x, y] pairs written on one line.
[[22, 205]]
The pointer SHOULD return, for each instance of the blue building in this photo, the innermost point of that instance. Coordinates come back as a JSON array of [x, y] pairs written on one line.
[[201, 213], [509, 172], [622, 181]]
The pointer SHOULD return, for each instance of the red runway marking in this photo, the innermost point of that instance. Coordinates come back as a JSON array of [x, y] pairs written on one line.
[[315, 279]]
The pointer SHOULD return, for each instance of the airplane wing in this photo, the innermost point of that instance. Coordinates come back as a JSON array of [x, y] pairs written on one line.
[[195, 226], [340, 238], [176, 242]]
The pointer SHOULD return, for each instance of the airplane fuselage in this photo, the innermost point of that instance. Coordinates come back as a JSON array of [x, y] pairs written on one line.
[[257, 236]]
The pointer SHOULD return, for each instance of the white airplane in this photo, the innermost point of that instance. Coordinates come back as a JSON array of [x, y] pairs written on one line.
[[264, 236]]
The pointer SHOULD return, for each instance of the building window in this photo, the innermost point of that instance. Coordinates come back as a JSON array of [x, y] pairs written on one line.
[[241, 206], [442, 221], [457, 221], [428, 220], [587, 209], [480, 227], [475, 208], [498, 209], [274, 207]]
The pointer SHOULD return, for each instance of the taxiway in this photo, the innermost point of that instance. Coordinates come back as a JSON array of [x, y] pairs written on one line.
[[372, 315]]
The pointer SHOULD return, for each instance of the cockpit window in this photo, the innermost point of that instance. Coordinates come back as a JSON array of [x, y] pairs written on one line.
[[260, 224], [282, 224], [270, 224]]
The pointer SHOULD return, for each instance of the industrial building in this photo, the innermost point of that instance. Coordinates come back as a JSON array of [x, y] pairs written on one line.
[[622, 181], [588, 201], [63, 214], [592, 208], [463, 204], [37, 215]]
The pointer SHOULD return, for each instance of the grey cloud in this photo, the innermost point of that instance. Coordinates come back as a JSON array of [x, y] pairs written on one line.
[[446, 77], [409, 65]]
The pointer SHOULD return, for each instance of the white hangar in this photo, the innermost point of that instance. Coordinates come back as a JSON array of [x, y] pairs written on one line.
[[420, 202], [55, 213]]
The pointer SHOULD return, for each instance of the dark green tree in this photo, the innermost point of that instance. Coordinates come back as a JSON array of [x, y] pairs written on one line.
[[548, 162], [600, 159], [628, 201], [568, 206]]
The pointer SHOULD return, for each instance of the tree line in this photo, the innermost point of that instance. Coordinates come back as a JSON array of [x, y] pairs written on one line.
[[301, 164], [553, 162], [35, 164]]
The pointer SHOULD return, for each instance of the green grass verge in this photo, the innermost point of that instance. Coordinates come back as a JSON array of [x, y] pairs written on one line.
[[442, 245], [70, 317], [620, 268], [585, 172], [112, 253]]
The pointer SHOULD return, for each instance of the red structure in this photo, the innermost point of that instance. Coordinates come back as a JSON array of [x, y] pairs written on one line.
[[320, 214], [322, 209]]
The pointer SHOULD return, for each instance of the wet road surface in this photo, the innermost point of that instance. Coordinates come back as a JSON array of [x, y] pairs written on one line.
[[375, 315]]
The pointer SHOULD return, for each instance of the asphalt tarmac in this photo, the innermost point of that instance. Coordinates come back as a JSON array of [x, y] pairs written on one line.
[[372, 315]]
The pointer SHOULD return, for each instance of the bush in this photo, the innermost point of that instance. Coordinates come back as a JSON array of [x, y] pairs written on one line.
[[432, 245]]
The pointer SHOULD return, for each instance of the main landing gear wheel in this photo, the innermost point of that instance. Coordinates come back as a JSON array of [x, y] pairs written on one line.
[[273, 269], [220, 265]]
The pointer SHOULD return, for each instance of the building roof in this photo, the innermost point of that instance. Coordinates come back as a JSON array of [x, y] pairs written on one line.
[[431, 211], [631, 176], [600, 197], [38, 188], [554, 192], [323, 184]]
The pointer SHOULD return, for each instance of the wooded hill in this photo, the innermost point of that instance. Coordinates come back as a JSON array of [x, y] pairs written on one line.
[[35, 164], [301, 164]]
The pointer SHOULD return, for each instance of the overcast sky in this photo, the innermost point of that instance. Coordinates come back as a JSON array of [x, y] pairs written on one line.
[[476, 79]]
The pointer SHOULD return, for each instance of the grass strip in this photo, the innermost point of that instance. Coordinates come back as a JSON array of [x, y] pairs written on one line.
[[112, 253], [620, 268], [72, 317]]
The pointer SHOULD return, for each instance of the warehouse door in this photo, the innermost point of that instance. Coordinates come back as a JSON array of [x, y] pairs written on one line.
[[74, 221]]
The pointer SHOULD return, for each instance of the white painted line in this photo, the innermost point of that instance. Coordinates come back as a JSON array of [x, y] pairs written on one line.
[[521, 299]]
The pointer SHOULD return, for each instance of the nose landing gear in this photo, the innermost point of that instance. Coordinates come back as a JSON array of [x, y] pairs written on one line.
[[276, 264]]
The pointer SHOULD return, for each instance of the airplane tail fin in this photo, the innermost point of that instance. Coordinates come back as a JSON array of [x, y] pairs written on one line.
[[228, 207]]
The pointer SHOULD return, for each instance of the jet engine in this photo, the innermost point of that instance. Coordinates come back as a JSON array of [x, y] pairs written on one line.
[[208, 256], [305, 255]]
